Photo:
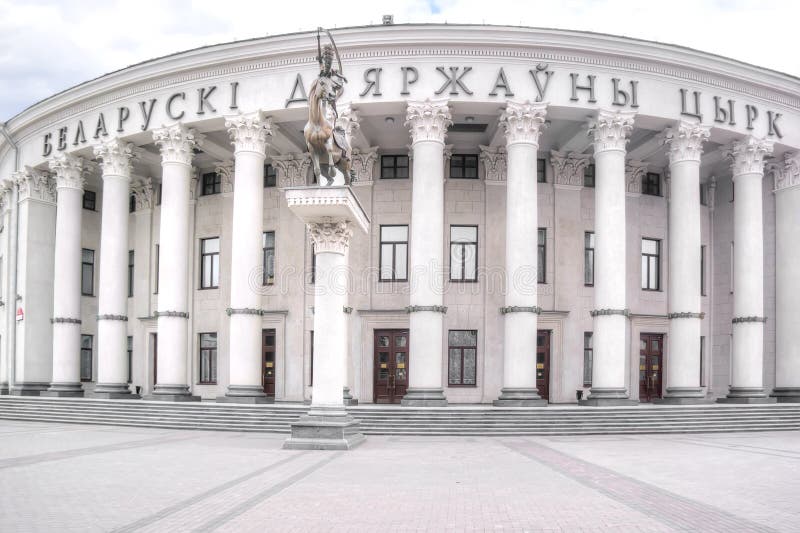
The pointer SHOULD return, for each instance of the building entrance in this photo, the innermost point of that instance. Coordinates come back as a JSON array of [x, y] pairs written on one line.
[[650, 364], [268, 360], [391, 365], [543, 363]]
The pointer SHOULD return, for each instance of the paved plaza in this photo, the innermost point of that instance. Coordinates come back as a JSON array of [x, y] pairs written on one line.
[[57, 477]]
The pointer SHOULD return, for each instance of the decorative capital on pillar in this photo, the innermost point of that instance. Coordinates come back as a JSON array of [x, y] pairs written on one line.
[[292, 169], [428, 120], [610, 129], [523, 122], [568, 168], [786, 175], [686, 141], [363, 163], [747, 155], [348, 120], [177, 143], [142, 190], [634, 170], [69, 171], [494, 162], [117, 157], [34, 184], [331, 237], [225, 169], [249, 132]]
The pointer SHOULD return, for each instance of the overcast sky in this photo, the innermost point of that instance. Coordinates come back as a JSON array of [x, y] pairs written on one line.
[[48, 46]]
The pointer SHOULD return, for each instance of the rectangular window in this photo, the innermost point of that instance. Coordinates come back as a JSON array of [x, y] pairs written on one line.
[[212, 183], [130, 359], [86, 357], [464, 166], [651, 184], [702, 270], [462, 357], [540, 171], [157, 193], [130, 273], [394, 167], [209, 263], [269, 258], [703, 195], [158, 253], [464, 253], [588, 258], [702, 361], [208, 358], [313, 274], [131, 204], [270, 176], [588, 175], [541, 248], [87, 272], [651, 262], [90, 200], [394, 253], [588, 354]]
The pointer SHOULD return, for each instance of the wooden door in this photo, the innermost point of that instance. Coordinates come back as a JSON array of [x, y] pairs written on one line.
[[268, 360], [543, 363], [650, 364], [154, 341], [390, 365]]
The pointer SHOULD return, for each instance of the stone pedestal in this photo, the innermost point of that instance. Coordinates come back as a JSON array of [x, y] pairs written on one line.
[[331, 214]]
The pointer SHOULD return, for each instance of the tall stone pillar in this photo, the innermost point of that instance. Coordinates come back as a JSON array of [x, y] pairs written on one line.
[[177, 143], [523, 124], [610, 313], [747, 358], [67, 283], [428, 122], [6, 199], [685, 317], [250, 134], [787, 267], [112, 320]]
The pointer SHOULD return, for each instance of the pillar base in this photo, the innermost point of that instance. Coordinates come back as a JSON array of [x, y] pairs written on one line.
[[29, 388], [251, 394], [746, 395], [517, 397], [417, 397], [324, 430], [682, 396], [348, 398], [781, 394], [114, 391], [63, 390], [3, 389], [604, 397], [172, 393]]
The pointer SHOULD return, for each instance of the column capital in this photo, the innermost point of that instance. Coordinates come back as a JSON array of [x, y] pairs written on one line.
[[330, 237], [495, 162], [142, 190], [226, 170], [428, 120], [363, 163], [117, 157], [747, 155], [568, 167], [610, 129], [249, 132], [787, 174], [34, 184], [69, 171], [523, 122], [177, 143], [633, 176], [292, 169], [686, 141]]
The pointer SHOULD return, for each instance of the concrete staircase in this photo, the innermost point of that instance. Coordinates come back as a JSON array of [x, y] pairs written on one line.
[[473, 420]]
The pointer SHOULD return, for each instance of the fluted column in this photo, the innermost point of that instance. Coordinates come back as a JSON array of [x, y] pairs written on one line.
[[747, 357], [609, 370], [116, 158], [428, 122], [523, 124], [176, 143], [685, 317], [787, 274], [67, 282], [250, 134]]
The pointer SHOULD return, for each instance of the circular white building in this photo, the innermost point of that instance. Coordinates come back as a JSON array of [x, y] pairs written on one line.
[[547, 215]]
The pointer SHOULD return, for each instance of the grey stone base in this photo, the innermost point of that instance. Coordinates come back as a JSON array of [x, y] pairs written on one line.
[[424, 398], [347, 398], [172, 393], [519, 398], [64, 390], [781, 394], [30, 388], [114, 391], [603, 397], [746, 395], [251, 394], [3, 389], [682, 396], [744, 399], [350, 402], [324, 432]]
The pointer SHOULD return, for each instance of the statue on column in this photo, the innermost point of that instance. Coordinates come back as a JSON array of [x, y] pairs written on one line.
[[325, 136]]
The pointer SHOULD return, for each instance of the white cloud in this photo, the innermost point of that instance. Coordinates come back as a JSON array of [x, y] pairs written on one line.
[[46, 47]]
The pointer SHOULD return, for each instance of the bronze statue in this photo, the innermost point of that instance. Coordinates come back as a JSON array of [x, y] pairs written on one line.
[[326, 140]]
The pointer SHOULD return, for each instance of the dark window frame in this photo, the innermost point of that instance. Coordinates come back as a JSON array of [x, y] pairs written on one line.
[[390, 165], [131, 259], [208, 356], [131, 204], [212, 183], [461, 349], [541, 170], [90, 266], [657, 257], [588, 252], [651, 183], [460, 162], [266, 278], [203, 255], [703, 270], [270, 176], [130, 358], [589, 175], [87, 352], [394, 244], [702, 360], [463, 245], [588, 355], [89, 201], [541, 251]]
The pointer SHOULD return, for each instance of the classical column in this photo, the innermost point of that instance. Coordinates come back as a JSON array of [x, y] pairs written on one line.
[[609, 369], [685, 317], [523, 124], [67, 282], [177, 143], [250, 134], [6, 201], [428, 122], [787, 273], [112, 321], [747, 357]]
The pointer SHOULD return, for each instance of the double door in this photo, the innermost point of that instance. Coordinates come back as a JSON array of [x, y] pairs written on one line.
[[651, 356], [390, 365]]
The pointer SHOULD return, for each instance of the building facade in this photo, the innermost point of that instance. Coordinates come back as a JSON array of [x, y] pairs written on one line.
[[553, 215]]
